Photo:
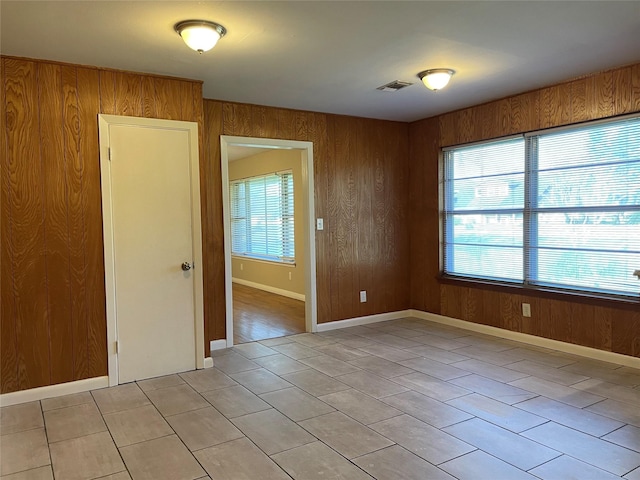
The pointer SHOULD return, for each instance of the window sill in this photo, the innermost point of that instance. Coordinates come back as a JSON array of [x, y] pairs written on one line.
[[626, 303], [263, 260]]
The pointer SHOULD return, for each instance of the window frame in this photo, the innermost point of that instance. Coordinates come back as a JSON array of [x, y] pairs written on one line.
[[529, 283]]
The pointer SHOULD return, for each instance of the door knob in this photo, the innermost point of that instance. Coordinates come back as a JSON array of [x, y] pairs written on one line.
[[186, 266]]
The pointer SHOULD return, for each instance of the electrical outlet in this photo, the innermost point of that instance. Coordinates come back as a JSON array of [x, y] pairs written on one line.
[[242, 266], [526, 310], [363, 296]]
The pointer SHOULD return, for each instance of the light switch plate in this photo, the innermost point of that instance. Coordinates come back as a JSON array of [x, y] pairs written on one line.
[[320, 224]]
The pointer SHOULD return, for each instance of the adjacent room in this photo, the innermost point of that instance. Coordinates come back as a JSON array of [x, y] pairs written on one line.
[[311, 240]]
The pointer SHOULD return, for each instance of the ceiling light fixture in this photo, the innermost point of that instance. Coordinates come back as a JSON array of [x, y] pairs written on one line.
[[200, 35], [437, 78]]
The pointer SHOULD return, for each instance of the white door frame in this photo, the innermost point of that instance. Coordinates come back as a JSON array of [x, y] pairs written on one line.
[[306, 149], [104, 121]]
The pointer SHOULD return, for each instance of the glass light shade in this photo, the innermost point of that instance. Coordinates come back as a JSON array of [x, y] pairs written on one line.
[[199, 35], [436, 79]]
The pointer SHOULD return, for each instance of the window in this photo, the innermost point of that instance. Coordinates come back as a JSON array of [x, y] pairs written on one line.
[[556, 209], [262, 222]]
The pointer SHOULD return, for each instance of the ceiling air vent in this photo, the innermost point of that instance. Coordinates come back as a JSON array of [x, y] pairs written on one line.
[[394, 86]]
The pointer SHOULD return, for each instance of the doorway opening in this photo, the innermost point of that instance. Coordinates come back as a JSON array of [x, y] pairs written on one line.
[[270, 289]]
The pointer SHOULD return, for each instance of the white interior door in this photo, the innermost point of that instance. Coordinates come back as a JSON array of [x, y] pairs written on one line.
[[151, 214]]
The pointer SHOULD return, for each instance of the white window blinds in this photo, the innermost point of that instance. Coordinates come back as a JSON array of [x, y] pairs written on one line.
[[484, 205], [262, 217], [554, 209], [585, 217]]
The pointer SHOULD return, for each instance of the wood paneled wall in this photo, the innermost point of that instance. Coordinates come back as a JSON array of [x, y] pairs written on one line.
[[360, 173], [52, 324], [597, 96]]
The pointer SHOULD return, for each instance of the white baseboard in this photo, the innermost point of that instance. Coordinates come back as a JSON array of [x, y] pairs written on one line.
[[40, 393], [208, 362], [268, 288], [353, 322], [571, 348], [217, 345]]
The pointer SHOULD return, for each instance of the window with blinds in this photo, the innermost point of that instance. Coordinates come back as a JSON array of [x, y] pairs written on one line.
[[262, 217], [558, 208]]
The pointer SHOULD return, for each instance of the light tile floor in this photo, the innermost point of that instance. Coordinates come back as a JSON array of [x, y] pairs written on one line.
[[405, 399]]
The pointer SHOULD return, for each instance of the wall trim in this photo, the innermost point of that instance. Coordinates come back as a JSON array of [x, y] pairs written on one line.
[[571, 348], [49, 391], [269, 288], [208, 362], [353, 322], [217, 345]]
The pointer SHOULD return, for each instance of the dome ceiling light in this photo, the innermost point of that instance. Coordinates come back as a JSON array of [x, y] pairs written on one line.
[[200, 35], [437, 78]]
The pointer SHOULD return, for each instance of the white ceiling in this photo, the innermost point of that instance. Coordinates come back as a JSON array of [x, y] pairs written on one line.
[[330, 56]]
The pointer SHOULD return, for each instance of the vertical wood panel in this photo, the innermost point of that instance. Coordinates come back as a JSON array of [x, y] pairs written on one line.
[[264, 122], [76, 214], [423, 215], [8, 364], [302, 128], [318, 135], [149, 109], [363, 261], [622, 91], [229, 119], [635, 88], [525, 112], [492, 308], [207, 189], [128, 94], [286, 123], [553, 319], [331, 219], [188, 109], [467, 123], [168, 101], [582, 325], [625, 333], [487, 116], [599, 95], [380, 202], [243, 124], [447, 129], [503, 121], [453, 301], [213, 241], [511, 311], [107, 94], [418, 193], [400, 261], [56, 218], [578, 92], [555, 105], [89, 104], [344, 150], [28, 233], [473, 307]]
